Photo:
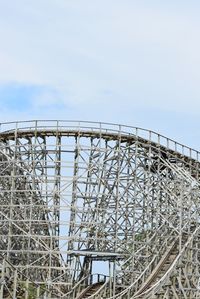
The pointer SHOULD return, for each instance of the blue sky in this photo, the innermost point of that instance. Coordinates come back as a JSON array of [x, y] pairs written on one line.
[[129, 62]]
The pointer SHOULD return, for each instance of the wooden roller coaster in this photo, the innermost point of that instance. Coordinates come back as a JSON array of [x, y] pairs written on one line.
[[97, 211]]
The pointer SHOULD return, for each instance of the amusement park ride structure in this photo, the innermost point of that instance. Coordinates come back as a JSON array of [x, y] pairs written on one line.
[[97, 210]]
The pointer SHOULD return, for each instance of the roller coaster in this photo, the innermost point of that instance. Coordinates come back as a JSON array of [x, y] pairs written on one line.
[[97, 211]]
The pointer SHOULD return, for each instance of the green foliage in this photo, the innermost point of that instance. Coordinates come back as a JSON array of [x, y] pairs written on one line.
[[32, 290], [141, 236]]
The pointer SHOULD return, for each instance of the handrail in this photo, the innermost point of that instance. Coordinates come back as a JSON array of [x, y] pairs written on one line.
[[146, 134]]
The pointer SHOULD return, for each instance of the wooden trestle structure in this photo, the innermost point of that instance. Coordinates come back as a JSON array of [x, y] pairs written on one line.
[[95, 210]]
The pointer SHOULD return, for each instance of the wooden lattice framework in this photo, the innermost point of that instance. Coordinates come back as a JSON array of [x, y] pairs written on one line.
[[78, 194]]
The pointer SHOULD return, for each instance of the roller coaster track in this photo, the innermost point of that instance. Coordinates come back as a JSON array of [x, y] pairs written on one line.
[[162, 271], [77, 194], [90, 290]]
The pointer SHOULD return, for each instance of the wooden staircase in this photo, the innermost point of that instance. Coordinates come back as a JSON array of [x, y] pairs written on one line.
[[90, 290]]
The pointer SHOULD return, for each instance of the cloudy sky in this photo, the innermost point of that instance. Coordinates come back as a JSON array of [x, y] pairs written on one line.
[[130, 62]]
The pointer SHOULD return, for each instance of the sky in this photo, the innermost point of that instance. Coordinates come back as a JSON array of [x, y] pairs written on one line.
[[130, 62]]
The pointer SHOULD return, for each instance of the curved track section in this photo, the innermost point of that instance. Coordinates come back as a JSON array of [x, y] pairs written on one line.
[[79, 198]]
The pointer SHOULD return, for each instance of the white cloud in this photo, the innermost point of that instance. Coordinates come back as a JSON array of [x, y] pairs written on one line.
[[142, 54]]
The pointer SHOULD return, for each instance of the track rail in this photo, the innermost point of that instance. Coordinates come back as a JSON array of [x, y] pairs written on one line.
[[163, 265], [104, 134]]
